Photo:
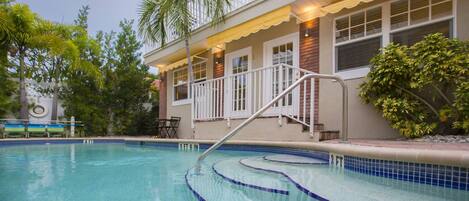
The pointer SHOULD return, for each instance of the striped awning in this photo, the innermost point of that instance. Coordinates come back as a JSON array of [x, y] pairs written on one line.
[[336, 7], [262, 22]]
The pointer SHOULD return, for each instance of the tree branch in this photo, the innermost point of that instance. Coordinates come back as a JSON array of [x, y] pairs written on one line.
[[421, 100]]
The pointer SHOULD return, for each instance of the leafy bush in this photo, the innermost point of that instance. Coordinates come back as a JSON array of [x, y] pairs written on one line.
[[422, 89]]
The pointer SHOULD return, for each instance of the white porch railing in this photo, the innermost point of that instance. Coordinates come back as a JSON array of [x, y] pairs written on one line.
[[199, 14], [240, 95]]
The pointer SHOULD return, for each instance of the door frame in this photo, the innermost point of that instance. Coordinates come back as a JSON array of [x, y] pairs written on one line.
[[267, 62], [229, 113]]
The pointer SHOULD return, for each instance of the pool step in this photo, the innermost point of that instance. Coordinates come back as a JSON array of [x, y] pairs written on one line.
[[232, 171], [293, 159], [208, 186], [319, 182]]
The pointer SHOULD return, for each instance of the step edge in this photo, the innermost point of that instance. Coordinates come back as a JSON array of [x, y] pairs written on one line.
[[234, 181], [297, 185]]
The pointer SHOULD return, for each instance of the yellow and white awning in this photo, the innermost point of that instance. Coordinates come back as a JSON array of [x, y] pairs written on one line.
[[262, 22], [336, 7]]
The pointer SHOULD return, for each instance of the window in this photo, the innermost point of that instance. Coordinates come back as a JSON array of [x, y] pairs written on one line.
[[358, 25], [411, 12], [357, 38], [181, 80], [412, 36], [348, 56], [360, 35]]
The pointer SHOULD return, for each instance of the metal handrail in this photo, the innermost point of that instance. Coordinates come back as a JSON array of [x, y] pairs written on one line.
[[273, 101]]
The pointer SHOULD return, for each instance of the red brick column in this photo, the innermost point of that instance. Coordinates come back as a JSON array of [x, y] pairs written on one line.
[[309, 60], [219, 71], [219, 64], [163, 94]]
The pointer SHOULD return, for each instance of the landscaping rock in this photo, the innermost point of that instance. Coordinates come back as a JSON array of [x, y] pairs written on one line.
[[442, 139]]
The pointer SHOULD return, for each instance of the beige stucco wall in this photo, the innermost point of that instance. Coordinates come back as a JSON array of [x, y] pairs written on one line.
[[364, 120], [256, 41], [260, 129], [184, 111], [462, 19]]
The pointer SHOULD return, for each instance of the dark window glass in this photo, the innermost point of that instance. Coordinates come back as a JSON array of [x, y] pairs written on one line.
[[412, 36], [357, 54], [180, 92]]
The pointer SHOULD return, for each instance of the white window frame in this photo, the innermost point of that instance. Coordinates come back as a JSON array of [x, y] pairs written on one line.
[[188, 99], [385, 35]]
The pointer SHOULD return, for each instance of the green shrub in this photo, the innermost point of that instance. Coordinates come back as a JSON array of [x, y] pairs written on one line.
[[422, 89]]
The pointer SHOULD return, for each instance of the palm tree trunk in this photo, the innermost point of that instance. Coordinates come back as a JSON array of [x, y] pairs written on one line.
[[189, 66], [55, 99], [23, 96]]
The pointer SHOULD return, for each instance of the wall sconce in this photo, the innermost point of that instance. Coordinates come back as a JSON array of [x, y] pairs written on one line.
[[219, 60], [307, 32]]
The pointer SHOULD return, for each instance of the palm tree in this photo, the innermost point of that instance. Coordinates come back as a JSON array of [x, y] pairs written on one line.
[[156, 17]]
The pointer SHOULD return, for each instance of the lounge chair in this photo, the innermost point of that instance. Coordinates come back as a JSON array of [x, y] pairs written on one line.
[[14, 130], [37, 130], [56, 130]]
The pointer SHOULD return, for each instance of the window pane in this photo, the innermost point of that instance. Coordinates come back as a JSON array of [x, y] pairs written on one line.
[[412, 36], [373, 27], [399, 7], [399, 21], [415, 4], [341, 36], [357, 32], [341, 23], [180, 77], [419, 16], [357, 54], [180, 92], [442, 10], [373, 14], [357, 19]]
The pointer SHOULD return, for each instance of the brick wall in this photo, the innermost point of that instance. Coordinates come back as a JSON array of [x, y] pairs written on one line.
[[219, 68], [309, 60], [163, 94]]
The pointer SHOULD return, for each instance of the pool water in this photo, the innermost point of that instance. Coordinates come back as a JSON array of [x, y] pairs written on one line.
[[102, 172]]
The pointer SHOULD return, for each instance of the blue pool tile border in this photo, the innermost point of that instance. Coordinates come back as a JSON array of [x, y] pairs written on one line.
[[253, 148], [233, 181], [436, 175]]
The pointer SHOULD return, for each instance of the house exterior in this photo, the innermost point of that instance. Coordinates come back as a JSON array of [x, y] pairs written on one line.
[[264, 46]]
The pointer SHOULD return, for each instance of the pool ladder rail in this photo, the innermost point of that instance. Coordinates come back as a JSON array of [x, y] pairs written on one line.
[[310, 75]]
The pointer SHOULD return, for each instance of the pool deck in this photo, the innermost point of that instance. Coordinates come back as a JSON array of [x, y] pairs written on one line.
[[454, 154]]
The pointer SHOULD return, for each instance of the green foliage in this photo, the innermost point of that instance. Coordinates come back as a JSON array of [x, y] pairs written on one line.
[[113, 104], [422, 89]]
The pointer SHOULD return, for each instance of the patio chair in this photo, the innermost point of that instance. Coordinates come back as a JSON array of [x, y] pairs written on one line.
[[173, 126], [14, 130], [37, 130], [56, 130], [161, 127]]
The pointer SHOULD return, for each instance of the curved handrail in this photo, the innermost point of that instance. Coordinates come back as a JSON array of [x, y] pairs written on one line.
[[273, 101]]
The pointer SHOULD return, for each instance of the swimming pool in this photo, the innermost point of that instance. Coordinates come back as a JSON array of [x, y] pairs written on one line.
[[118, 171]]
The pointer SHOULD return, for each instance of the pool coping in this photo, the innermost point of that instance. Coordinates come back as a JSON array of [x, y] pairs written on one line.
[[459, 158]]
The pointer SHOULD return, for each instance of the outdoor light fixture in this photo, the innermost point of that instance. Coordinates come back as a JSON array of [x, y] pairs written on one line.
[[307, 32], [218, 60]]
